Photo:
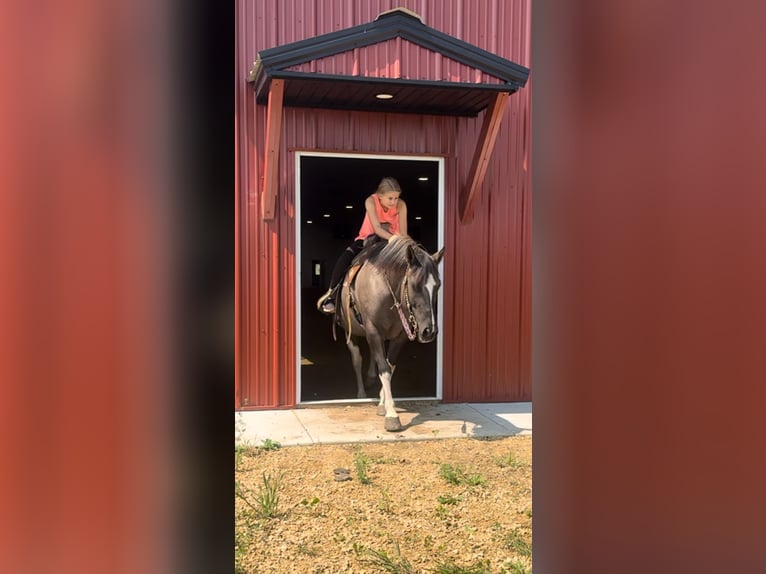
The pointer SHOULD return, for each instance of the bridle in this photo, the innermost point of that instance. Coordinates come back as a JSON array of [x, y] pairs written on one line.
[[410, 323]]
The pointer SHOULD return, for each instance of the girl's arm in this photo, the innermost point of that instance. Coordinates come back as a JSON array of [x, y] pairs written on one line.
[[380, 231], [401, 208]]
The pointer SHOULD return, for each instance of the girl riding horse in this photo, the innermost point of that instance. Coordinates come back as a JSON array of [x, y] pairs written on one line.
[[385, 216]]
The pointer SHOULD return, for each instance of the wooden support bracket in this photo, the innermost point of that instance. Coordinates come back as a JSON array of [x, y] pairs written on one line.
[[273, 143], [493, 117]]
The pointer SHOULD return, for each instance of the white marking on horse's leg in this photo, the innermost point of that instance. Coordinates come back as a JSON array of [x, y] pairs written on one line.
[[382, 404], [388, 399]]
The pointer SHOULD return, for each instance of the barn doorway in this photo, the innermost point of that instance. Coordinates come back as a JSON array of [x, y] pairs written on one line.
[[330, 209]]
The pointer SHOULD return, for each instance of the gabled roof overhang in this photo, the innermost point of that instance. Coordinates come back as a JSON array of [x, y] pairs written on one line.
[[357, 92], [280, 80]]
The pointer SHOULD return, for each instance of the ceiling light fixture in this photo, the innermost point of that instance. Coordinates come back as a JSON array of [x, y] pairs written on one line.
[[326, 215], [418, 217], [423, 178], [349, 207], [384, 96]]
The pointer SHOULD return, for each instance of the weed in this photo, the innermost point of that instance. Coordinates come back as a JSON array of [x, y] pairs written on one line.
[[267, 499], [362, 463], [508, 460], [244, 527], [385, 502], [515, 567], [442, 512], [310, 503], [307, 551], [517, 542], [456, 475], [391, 563], [241, 451], [448, 499], [268, 444], [452, 568]]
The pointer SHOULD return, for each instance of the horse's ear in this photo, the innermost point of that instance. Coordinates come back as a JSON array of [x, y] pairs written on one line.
[[437, 257]]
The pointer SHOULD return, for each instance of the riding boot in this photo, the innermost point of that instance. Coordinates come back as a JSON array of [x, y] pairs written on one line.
[[326, 303]]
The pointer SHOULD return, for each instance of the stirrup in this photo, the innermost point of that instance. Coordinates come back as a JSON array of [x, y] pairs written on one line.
[[325, 304]]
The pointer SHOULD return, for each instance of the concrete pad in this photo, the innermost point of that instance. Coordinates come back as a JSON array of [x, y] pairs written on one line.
[[448, 421], [253, 427], [344, 424], [515, 418], [421, 420]]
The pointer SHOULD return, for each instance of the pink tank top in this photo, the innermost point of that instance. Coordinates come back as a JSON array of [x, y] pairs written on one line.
[[391, 217]]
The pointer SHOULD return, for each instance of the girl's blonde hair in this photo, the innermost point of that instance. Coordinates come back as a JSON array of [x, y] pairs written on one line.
[[388, 184]]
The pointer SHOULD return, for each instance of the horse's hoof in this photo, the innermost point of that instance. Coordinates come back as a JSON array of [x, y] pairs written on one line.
[[381, 412], [393, 424]]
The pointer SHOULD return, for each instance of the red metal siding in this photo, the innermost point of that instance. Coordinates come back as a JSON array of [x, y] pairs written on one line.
[[397, 58], [487, 302]]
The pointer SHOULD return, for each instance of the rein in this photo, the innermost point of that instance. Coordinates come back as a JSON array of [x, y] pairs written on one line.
[[409, 323]]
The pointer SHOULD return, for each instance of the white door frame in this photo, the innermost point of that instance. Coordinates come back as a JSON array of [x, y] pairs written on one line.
[[298, 278]]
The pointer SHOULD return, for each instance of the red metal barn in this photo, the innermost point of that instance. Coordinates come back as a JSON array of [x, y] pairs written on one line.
[[331, 96]]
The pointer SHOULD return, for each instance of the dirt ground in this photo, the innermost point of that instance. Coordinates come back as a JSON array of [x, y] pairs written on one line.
[[448, 506]]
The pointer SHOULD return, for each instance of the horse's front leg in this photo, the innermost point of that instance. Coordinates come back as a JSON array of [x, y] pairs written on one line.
[[377, 352], [356, 360], [393, 352]]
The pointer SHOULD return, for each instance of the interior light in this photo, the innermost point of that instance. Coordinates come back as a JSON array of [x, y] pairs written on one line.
[[384, 96], [326, 215], [349, 207], [309, 221], [418, 217], [424, 178]]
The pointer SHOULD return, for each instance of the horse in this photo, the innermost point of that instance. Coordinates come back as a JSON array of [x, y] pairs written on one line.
[[388, 296]]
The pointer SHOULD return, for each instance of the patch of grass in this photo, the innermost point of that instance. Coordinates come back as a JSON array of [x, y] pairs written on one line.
[[245, 525], [452, 568], [508, 460], [515, 567], [442, 512], [448, 499], [241, 451], [517, 542], [306, 550], [392, 563], [244, 530], [457, 475], [362, 464], [268, 444], [267, 499], [385, 502]]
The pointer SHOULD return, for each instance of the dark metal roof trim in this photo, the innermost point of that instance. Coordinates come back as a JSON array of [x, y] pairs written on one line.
[[371, 80], [386, 27]]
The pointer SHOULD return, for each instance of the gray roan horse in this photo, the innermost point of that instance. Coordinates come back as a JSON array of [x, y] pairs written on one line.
[[390, 299]]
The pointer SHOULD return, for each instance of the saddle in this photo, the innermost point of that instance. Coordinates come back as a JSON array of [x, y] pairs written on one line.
[[372, 245]]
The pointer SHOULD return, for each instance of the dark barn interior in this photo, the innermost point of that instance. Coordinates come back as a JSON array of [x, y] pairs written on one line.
[[332, 194]]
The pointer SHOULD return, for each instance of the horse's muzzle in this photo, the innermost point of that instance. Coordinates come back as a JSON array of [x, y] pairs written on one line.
[[427, 335]]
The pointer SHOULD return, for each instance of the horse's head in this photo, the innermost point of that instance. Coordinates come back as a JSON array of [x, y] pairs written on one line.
[[421, 291]]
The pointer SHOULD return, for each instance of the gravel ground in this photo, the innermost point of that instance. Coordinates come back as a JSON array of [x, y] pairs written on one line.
[[404, 507]]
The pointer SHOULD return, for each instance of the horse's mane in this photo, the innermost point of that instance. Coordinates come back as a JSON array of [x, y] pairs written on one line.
[[393, 256]]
